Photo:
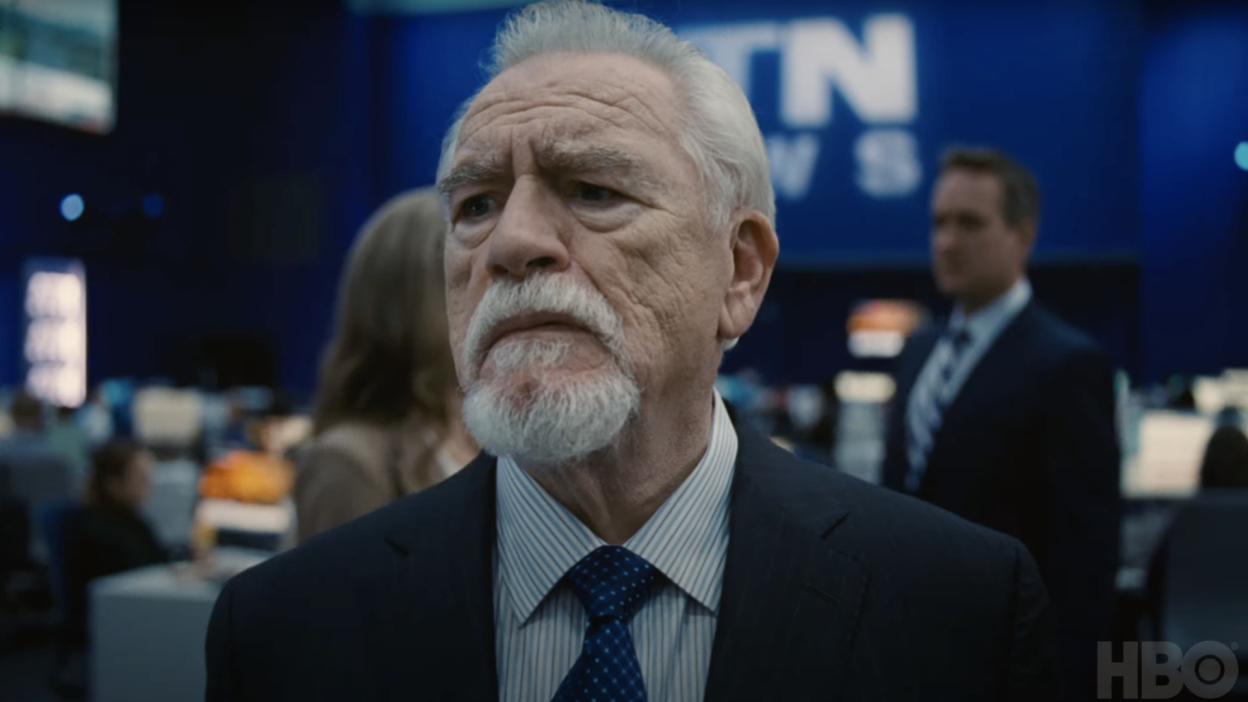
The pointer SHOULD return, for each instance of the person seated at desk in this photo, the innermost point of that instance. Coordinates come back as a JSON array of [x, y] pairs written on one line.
[[109, 535], [68, 438], [31, 473], [28, 442], [1224, 467]]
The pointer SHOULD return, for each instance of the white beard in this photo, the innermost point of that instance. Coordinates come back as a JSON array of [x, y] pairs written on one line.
[[555, 421]]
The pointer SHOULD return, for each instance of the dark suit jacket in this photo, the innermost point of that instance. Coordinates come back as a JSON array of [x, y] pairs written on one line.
[[834, 590], [101, 541], [1029, 448]]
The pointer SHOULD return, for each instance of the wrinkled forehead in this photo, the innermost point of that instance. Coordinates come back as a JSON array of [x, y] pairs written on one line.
[[568, 96]]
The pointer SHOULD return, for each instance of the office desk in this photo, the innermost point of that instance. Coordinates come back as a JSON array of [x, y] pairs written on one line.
[[148, 628]]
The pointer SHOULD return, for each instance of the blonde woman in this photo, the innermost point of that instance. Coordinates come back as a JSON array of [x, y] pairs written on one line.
[[387, 418]]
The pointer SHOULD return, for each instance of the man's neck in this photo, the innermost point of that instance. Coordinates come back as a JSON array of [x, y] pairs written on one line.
[[616, 491], [974, 304]]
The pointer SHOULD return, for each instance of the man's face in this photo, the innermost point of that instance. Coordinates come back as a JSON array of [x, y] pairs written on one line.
[[132, 488], [976, 255], [569, 166]]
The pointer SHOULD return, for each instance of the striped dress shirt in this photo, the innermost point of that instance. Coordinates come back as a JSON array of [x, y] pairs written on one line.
[[539, 622], [983, 327]]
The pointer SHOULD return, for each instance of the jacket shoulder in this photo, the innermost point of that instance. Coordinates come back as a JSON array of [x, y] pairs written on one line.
[[879, 523], [878, 515], [1060, 337], [351, 554]]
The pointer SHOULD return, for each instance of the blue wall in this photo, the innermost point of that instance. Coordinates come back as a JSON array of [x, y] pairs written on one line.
[[172, 73], [1128, 112], [1053, 83], [1193, 198], [211, 102]]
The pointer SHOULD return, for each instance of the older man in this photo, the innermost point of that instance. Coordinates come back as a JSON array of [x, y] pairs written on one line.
[[624, 537]]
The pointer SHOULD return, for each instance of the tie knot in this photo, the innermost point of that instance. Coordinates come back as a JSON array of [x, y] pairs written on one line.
[[958, 336], [611, 582]]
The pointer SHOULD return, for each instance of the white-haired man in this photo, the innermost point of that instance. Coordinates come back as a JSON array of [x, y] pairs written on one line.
[[624, 536]]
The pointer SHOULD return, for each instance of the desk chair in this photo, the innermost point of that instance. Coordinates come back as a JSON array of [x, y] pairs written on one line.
[[35, 480], [1205, 579], [53, 519]]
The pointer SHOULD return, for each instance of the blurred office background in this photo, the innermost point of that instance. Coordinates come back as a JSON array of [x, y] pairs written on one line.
[[180, 184]]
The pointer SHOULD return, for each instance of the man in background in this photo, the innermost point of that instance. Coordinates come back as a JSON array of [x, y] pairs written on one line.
[[69, 439], [32, 472], [1005, 415]]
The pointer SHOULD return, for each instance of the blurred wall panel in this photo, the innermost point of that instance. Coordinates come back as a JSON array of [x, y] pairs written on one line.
[[1193, 196], [1126, 109], [214, 101]]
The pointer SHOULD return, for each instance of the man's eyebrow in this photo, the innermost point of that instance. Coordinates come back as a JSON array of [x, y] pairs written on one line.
[[595, 159], [470, 173], [556, 157]]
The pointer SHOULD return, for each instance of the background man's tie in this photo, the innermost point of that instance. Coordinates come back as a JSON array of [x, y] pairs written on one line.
[[610, 583], [927, 410]]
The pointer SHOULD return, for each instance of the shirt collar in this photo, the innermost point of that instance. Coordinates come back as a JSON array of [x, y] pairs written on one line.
[[989, 321], [539, 540]]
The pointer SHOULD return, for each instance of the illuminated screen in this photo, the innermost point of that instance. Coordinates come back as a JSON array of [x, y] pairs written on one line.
[[1166, 463], [879, 328], [55, 348], [57, 61]]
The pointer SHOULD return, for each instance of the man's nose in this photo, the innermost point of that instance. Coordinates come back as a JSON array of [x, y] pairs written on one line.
[[530, 235], [943, 240]]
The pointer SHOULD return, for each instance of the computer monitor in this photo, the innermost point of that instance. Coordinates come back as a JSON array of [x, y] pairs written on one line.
[[1166, 463], [54, 349], [879, 328], [58, 62]]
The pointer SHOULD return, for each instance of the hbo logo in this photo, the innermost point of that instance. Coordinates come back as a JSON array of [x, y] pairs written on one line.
[[1158, 670]]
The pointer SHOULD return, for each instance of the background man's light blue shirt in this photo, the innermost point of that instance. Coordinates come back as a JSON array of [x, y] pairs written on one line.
[[983, 327]]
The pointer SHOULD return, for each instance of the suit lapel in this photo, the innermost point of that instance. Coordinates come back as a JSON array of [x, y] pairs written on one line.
[[788, 613], [897, 458], [916, 357], [1000, 361], [791, 599], [442, 632]]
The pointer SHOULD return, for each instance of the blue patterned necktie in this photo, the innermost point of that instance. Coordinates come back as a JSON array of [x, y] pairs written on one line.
[[926, 411], [610, 583]]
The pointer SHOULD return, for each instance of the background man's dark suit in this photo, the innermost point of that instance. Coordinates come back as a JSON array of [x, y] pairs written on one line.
[[834, 590], [1028, 447]]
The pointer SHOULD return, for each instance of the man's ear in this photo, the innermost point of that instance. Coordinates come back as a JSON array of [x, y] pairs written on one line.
[[754, 252], [1027, 237]]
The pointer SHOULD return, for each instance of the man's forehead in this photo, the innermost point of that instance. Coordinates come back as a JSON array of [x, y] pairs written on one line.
[[556, 141], [968, 179], [610, 89], [966, 186]]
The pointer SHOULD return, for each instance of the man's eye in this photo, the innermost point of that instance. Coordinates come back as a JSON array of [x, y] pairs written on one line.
[[594, 193], [970, 223], [476, 207]]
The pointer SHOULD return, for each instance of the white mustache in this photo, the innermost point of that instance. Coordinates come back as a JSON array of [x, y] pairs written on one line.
[[538, 294]]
